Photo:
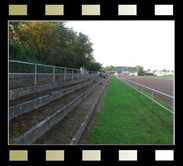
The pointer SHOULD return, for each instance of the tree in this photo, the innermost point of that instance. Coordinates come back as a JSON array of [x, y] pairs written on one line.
[[50, 43], [93, 65], [164, 70], [139, 69]]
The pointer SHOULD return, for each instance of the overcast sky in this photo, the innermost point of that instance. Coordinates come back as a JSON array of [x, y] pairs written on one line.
[[129, 43]]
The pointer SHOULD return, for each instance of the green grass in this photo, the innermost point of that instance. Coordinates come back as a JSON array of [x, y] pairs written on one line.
[[126, 119], [161, 77]]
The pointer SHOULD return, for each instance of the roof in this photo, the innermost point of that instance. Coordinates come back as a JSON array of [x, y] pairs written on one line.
[[127, 69]]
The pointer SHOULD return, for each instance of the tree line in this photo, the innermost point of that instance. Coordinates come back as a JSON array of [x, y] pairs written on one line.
[[51, 43]]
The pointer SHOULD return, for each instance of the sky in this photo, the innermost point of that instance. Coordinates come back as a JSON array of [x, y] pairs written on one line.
[[149, 44]]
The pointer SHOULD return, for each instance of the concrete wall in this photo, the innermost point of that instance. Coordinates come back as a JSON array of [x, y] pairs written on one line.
[[133, 74]]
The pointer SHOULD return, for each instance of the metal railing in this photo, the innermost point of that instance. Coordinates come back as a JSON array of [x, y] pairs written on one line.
[[73, 71], [134, 86]]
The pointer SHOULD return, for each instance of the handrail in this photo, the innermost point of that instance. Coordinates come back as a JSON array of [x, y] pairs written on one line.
[[126, 81], [151, 89], [30, 63], [79, 73]]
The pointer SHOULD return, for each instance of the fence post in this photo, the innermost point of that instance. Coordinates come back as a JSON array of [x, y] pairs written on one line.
[[133, 85], [142, 93], [72, 74], [78, 74], [53, 74], [35, 78], [65, 74], [171, 116], [152, 101], [136, 88]]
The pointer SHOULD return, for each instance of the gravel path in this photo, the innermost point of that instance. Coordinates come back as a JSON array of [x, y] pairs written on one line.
[[24, 122], [64, 130]]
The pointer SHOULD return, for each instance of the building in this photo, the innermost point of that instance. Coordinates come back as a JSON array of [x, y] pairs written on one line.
[[149, 71], [170, 72], [111, 73], [127, 72], [163, 73]]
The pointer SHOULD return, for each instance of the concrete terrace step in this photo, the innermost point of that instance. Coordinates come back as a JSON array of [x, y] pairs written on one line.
[[20, 80], [28, 127], [19, 92], [40, 101], [70, 129]]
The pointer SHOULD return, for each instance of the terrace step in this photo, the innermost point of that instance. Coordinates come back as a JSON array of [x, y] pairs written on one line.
[[70, 129], [34, 101], [27, 79], [23, 91], [27, 127]]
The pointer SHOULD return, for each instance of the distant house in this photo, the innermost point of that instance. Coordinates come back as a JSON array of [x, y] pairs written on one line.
[[154, 71], [158, 73], [149, 71], [164, 73], [112, 73], [170, 72], [127, 72]]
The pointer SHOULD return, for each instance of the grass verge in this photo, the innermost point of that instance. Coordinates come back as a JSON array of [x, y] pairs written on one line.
[[126, 119], [161, 77]]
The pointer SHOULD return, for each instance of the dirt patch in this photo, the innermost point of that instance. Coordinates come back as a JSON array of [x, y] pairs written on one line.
[[24, 122]]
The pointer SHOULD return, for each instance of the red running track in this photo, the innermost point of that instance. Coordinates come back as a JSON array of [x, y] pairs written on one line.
[[162, 85]]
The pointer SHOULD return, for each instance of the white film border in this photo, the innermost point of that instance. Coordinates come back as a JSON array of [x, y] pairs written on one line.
[[93, 10]]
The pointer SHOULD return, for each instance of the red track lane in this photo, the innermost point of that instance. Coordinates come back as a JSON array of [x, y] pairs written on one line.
[[162, 85]]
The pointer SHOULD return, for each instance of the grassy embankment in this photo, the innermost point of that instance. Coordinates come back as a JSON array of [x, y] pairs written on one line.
[[126, 119], [161, 77]]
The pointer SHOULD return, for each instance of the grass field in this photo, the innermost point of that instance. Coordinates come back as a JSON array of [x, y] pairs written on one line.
[[161, 77], [126, 119]]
